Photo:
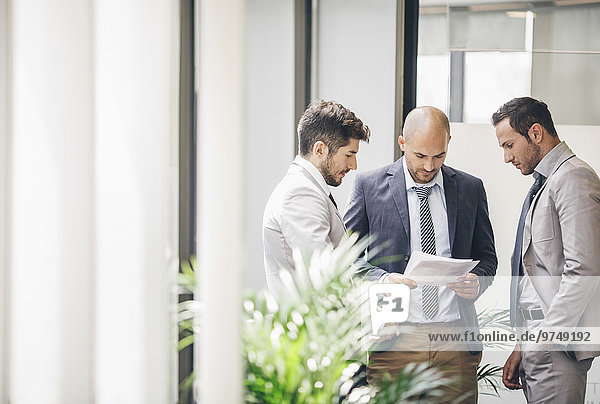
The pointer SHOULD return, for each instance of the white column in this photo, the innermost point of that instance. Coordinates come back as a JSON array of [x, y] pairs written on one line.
[[220, 197], [92, 200], [4, 279], [51, 201], [136, 99]]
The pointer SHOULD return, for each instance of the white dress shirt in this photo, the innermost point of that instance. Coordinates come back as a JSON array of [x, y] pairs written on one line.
[[447, 302]]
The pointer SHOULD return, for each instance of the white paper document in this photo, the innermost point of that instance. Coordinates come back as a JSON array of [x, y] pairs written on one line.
[[427, 269]]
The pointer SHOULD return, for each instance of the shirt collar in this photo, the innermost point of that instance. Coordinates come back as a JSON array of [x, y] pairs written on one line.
[[438, 179], [550, 160], [313, 171]]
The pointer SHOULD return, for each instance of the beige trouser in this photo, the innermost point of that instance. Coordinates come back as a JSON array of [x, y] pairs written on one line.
[[552, 376], [451, 358]]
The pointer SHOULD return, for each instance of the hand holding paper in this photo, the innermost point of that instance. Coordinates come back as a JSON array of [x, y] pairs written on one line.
[[467, 286], [427, 269]]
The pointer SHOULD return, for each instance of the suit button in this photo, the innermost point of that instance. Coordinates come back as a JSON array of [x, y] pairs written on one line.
[[406, 258]]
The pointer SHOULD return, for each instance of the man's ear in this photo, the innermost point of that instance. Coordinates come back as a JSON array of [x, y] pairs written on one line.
[[401, 142], [536, 133], [320, 149]]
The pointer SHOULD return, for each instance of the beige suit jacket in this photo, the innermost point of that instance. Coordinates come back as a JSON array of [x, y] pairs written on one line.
[[298, 215], [561, 246]]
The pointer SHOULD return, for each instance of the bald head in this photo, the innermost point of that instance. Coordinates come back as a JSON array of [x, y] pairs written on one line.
[[424, 142], [428, 120]]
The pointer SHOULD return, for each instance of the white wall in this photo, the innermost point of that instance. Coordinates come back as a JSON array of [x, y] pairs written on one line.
[[270, 125], [356, 54]]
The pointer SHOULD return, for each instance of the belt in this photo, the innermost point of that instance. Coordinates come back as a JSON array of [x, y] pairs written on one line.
[[531, 314], [453, 323]]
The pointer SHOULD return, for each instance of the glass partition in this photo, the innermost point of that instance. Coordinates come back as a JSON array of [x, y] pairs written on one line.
[[473, 57]]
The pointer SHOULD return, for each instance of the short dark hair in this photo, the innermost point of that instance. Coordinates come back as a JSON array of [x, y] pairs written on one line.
[[332, 123], [522, 113]]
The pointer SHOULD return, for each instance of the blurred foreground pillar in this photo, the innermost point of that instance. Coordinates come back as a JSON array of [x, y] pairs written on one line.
[[50, 201], [220, 198], [90, 229]]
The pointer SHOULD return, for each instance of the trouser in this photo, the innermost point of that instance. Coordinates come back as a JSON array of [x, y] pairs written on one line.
[[553, 377], [453, 360]]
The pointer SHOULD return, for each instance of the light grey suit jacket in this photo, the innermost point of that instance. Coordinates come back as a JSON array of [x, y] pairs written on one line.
[[298, 214], [561, 246]]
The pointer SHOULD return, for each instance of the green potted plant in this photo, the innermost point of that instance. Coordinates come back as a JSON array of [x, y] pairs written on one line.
[[305, 348]]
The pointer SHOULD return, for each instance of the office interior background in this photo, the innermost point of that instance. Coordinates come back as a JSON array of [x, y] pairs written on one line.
[[135, 134]]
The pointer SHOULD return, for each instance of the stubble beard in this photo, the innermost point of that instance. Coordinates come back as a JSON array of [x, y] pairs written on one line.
[[534, 156], [416, 176], [326, 170]]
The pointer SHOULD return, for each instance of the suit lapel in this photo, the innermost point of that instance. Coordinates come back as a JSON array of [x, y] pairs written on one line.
[[451, 191], [527, 228], [397, 184], [339, 216]]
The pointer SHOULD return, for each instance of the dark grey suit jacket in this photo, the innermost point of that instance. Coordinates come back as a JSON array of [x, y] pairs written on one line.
[[378, 207]]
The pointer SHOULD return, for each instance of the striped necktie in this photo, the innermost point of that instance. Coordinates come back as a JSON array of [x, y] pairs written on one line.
[[430, 292]]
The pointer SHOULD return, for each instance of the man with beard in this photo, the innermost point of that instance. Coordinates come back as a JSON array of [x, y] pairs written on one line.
[[555, 264], [419, 204], [301, 212]]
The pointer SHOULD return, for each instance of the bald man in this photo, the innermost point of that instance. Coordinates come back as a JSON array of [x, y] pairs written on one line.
[[419, 204]]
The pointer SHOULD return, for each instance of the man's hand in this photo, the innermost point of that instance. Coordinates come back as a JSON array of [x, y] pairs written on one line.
[[399, 278], [466, 287], [510, 373]]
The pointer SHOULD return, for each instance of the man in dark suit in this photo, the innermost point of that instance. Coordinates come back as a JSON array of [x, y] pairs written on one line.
[[419, 204]]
